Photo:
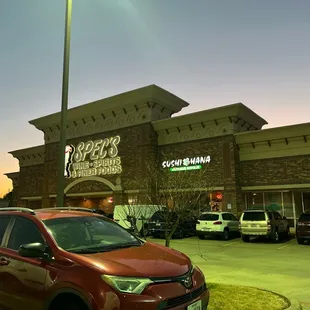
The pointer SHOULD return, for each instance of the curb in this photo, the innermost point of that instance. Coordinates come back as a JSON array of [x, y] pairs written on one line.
[[293, 303]]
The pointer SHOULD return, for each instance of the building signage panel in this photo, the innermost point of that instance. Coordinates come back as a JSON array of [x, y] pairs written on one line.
[[189, 163], [93, 158]]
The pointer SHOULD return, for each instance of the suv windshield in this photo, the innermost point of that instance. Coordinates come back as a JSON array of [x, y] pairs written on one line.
[[209, 217], [304, 217], [254, 216], [89, 234]]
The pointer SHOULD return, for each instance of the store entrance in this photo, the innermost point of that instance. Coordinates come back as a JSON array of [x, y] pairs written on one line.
[[306, 201]]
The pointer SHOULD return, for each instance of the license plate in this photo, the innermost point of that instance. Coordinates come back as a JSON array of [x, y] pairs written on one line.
[[195, 306], [255, 225]]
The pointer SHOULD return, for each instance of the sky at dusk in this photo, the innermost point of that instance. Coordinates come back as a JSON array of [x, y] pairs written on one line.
[[208, 52]]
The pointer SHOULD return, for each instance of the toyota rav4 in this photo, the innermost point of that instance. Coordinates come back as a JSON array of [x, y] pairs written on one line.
[[65, 259]]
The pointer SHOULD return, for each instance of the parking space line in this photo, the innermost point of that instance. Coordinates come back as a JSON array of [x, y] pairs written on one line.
[[230, 243], [284, 246]]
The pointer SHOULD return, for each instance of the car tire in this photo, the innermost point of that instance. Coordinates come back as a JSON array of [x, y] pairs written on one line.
[[275, 237], [201, 237], [226, 234], [245, 238], [70, 304], [300, 241]]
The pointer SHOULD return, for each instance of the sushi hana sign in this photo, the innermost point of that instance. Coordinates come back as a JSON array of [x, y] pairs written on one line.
[[185, 164]]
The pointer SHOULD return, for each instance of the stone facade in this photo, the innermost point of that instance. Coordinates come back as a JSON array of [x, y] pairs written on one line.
[[276, 171]]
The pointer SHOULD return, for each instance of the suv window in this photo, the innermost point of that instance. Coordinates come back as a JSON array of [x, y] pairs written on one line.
[[209, 217], [254, 216], [226, 217], [305, 217], [4, 221], [24, 231]]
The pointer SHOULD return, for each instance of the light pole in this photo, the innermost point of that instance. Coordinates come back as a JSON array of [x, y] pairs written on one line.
[[64, 107]]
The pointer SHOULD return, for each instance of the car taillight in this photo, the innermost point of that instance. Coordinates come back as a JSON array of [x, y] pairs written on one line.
[[239, 226], [217, 223], [269, 225]]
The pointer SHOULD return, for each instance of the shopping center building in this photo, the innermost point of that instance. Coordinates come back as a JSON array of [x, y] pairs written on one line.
[[110, 143]]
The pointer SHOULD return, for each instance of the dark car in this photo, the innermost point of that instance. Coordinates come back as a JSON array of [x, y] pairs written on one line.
[[303, 228], [163, 221], [64, 259]]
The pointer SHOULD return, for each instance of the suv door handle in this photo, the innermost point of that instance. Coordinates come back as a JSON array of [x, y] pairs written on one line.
[[4, 261]]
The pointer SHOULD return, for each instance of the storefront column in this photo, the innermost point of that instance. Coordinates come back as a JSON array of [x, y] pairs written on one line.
[[294, 209]]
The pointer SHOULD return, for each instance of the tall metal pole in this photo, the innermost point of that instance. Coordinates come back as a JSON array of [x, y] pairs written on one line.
[[64, 107]]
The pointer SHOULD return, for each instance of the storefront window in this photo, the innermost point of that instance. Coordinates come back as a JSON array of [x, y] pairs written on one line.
[[288, 204], [298, 201], [255, 201], [273, 201], [133, 200], [306, 200]]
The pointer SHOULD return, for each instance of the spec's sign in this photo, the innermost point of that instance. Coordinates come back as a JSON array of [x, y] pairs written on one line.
[[93, 158]]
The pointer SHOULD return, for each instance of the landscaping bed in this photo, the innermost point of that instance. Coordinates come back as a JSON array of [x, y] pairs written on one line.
[[234, 297]]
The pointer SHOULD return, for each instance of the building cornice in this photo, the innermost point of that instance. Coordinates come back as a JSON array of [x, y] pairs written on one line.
[[30, 156], [236, 112], [284, 132], [121, 102]]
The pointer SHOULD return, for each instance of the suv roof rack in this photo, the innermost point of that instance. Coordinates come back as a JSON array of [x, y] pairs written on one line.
[[25, 210], [70, 209]]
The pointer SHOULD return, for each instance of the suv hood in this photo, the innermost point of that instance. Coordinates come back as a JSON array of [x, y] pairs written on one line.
[[147, 260]]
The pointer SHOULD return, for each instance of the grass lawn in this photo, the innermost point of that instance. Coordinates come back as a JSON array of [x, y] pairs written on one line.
[[233, 297]]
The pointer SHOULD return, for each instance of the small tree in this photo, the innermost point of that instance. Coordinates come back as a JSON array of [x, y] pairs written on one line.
[[181, 191]]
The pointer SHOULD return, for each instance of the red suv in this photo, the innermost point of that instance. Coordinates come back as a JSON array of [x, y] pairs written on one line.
[[73, 259]]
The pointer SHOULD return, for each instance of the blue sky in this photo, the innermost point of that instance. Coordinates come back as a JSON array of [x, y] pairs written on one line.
[[208, 52]]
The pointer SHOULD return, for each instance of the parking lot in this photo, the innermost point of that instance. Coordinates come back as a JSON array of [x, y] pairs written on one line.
[[283, 267]]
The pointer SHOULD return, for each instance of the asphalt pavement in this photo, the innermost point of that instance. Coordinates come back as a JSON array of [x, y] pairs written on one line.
[[283, 268]]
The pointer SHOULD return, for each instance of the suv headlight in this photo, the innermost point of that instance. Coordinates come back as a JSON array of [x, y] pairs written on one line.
[[129, 285]]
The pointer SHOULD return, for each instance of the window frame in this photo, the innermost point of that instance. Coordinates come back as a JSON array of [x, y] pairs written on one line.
[[11, 227], [3, 242]]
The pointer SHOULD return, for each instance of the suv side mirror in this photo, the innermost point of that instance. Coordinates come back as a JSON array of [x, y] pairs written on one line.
[[35, 250]]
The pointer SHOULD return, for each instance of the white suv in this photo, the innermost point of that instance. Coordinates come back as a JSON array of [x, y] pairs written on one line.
[[222, 224]]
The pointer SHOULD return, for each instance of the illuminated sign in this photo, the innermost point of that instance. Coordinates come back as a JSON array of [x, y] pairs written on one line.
[[189, 163], [184, 168], [93, 158]]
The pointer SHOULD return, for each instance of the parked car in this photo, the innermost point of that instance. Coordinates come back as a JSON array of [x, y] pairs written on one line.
[[164, 220], [224, 224], [129, 216], [269, 224], [303, 228], [63, 259]]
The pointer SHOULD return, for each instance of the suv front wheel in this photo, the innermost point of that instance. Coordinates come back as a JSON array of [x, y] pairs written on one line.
[[275, 237]]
